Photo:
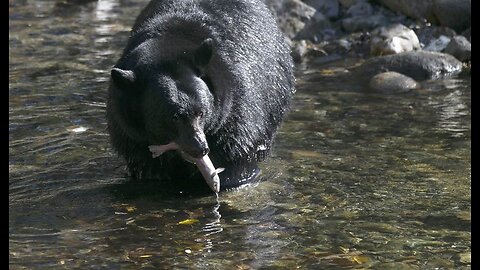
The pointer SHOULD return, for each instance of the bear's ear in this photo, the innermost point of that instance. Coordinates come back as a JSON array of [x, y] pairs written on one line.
[[123, 77], [203, 53]]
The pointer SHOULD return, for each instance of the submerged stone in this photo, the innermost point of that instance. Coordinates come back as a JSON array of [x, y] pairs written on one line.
[[392, 82]]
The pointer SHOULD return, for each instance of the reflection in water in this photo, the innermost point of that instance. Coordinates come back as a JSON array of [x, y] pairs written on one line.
[[356, 180], [452, 114], [103, 10], [215, 226]]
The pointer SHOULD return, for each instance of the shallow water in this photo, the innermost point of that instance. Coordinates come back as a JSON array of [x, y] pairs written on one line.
[[356, 180]]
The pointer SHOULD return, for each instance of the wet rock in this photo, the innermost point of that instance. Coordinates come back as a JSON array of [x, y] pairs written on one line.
[[459, 47], [313, 29], [302, 49], [330, 8], [361, 23], [392, 82], [361, 17], [360, 8], [347, 3], [393, 39], [291, 15], [452, 13], [455, 14], [339, 46], [419, 65], [468, 34], [412, 8], [428, 33], [299, 49], [438, 45]]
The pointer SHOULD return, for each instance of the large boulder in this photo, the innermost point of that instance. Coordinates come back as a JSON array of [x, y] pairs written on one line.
[[419, 65], [455, 14], [422, 9]]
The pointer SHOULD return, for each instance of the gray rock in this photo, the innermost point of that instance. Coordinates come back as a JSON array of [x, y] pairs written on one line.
[[317, 23], [419, 65], [438, 45], [299, 49], [459, 47], [392, 82], [413, 8], [330, 8], [393, 39], [468, 34], [291, 15], [456, 14], [360, 8], [427, 34], [361, 23], [347, 3]]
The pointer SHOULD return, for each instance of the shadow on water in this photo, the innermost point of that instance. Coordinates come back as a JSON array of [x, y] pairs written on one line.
[[357, 179]]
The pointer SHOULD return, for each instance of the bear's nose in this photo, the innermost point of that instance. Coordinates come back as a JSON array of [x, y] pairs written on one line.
[[200, 152], [196, 149]]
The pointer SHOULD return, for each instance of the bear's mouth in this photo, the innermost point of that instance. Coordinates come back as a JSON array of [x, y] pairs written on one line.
[[204, 164]]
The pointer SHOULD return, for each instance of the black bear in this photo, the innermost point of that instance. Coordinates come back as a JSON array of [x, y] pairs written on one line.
[[210, 80]]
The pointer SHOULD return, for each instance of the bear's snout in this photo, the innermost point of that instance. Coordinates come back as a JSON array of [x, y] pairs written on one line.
[[195, 147], [192, 140]]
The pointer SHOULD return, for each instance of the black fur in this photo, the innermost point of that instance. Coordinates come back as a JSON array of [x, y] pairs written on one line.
[[221, 67]]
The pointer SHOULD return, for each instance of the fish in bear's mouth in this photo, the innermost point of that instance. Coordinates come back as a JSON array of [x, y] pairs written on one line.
[[204, 164]]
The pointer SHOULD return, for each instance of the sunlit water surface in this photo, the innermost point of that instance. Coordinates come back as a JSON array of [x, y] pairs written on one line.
[[356, 179]]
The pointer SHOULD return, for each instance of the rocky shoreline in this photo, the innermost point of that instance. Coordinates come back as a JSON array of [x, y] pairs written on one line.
[[409, 39]]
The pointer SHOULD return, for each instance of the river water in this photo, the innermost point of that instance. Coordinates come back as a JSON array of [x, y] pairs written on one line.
[[357, 180]]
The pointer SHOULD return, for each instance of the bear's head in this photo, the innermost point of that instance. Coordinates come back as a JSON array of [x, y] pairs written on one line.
[[167, 100]]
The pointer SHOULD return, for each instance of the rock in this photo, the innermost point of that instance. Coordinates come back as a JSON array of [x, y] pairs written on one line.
[[393, 39], [314, 27], [392, 82], [339, 46], [428, 33], [361, 23], [438, 45], [360, 8], [347, 3], [468, 34], [330, 8], [412, 8], [299, 49], [291, 15], [419, 65], [456, 14], [459, 47]]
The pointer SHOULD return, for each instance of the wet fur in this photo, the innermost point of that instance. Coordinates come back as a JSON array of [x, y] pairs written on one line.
[[250, 75]]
